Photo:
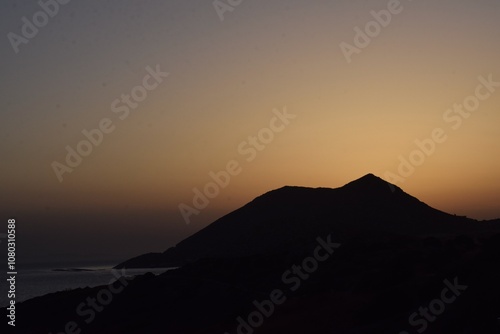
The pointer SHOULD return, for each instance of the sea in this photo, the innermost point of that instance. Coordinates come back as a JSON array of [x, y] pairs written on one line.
[[38, 279]]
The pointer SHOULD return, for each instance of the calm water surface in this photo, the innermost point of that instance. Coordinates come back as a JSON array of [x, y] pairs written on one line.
[[33, 282]]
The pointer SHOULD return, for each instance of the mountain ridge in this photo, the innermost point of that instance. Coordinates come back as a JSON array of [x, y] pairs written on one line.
[[394, 251], [280, 219]]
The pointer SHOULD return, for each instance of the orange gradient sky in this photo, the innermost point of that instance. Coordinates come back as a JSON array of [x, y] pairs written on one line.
[[225, 80]]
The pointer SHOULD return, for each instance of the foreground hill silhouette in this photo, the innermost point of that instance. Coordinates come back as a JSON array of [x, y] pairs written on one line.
[[394, 257], [284, 218]]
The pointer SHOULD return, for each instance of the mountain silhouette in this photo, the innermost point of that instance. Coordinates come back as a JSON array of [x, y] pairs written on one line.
[[283, 219], [394, 256]]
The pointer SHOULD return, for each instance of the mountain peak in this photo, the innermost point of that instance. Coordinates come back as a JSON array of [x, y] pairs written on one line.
[[369, 176], [371, 182], [369, 179]]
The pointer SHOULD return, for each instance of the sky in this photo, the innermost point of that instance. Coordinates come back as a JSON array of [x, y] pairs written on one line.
[[328, 90]]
